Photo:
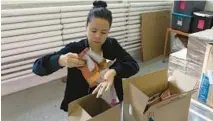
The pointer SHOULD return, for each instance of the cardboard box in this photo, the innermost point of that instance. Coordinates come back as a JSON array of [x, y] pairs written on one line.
[[141, 88], [197, 47], [151, 36], [178, 61], [90, 108], [196, 52]]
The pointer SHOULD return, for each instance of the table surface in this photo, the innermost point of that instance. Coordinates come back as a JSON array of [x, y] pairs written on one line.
[[178, 32], [196, 113]]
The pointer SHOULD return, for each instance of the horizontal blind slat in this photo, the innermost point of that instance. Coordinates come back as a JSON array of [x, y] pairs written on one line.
[[30, 36], [15, 64], [30, 30], [28, 55], [15, 69], [22, 50], [8, 20], [29, 24], [30, 42], [29, 11]]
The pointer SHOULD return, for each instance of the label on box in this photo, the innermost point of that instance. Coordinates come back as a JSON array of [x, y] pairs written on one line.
[[210, 75], [204, 89], [179, 22], [182, 5], [200, 24]]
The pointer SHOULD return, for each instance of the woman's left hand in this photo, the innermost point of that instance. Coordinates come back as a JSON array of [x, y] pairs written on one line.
[[106, 85]]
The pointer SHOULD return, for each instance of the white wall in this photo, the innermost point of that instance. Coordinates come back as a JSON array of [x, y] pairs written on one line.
[[209, 5]]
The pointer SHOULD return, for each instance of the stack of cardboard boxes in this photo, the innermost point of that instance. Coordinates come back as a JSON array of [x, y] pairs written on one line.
[[196, 51], [190, 60], [194, 60], [205, 94], [177, 61], [199, 53]]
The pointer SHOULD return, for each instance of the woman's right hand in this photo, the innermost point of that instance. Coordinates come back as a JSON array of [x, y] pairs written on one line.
[[70, 60]]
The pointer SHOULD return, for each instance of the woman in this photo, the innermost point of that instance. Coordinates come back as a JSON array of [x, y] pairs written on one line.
[[98, 24]]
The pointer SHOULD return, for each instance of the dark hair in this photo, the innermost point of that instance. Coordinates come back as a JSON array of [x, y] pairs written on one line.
[[99, 10]]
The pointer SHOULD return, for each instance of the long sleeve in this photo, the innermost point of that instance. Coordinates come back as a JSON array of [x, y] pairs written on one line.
[[125, 66], [49, 63]]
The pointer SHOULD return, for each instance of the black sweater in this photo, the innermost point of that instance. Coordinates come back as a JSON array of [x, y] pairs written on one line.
[[77, 87]]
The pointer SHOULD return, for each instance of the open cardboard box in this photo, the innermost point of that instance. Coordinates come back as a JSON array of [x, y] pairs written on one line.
[[141, 88], [90, 108]]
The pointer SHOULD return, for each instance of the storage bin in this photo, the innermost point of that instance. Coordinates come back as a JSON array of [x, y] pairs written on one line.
[[188, 7], [202, 20], [181, 22]]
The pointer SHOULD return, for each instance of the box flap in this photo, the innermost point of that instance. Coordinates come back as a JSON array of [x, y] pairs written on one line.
[[172, 99], [151, 83], [184, 82], [141, 88], [137, 98], [73, 106], [93, 105], [180, 84], [179, 104]]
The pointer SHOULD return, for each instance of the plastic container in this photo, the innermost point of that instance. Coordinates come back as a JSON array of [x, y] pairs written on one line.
[[202, 20], [181, 22], [188, 7]]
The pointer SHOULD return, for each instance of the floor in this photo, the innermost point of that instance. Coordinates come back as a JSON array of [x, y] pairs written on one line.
[[42, 103]]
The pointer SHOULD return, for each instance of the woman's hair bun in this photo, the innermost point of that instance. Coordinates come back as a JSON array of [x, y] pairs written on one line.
[[99, 3]]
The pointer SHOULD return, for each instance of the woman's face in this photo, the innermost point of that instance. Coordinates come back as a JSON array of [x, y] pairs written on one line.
[[97, 31]]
